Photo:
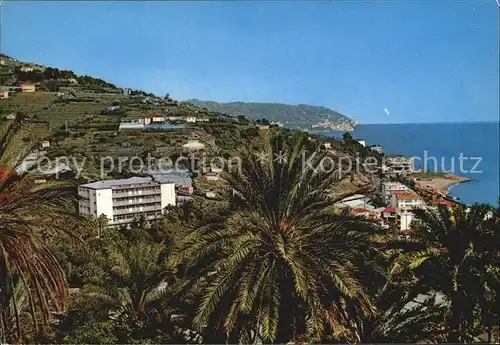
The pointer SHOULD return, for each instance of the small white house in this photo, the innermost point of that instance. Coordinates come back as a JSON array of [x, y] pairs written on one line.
[[4, 94], [328, 145], [210, 195], [212, 176], [193, 146], [190, 119], [153, 118], [44, 144], [361, 142], [11, 116], [113, 108]]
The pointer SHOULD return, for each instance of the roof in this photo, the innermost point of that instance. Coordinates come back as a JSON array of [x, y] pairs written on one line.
[[390, 209], [360, 210], [175, 176], [393, 184], [106, 184], [407, 195], [354, 197], [444, 202], [193, 145], [406, 231]]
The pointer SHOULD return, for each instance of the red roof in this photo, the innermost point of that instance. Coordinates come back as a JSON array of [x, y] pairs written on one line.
[[389, 209], [444, 202], [360, 210], [407, 195], [406, 231]]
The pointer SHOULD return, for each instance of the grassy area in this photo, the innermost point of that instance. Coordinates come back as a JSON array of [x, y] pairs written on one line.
[[427, 175]]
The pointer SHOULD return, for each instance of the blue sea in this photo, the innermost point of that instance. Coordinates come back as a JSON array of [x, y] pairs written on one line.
[[445, 142]]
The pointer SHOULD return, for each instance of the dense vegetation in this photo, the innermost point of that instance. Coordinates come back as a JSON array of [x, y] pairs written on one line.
[[277, 263], [292, 116]]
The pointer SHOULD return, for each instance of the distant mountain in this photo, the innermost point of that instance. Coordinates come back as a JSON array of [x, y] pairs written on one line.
[[292, 116]]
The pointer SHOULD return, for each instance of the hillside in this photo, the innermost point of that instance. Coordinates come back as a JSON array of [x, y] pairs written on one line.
[[299, 116], [71, 112]]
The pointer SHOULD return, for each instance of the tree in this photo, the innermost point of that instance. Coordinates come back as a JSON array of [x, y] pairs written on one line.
[[461, 248], [102, 224], [279, 262], [243, 119], [347, 137], [132, 289], [30, 213]]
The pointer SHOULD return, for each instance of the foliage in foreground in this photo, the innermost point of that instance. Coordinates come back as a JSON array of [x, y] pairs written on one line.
[[31, 279], [278, 264]]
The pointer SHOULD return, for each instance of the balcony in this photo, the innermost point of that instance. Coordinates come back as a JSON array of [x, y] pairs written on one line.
[[132, 210], [135, 201], [124, 193], [130, 220]]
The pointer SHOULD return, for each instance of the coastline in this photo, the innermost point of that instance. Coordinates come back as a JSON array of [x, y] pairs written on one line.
[[442, 184]]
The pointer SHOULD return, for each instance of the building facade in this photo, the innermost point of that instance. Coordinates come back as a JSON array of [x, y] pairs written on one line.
[[388, 188], [407, 201], [123, 201], [28, 87], [404, 220]]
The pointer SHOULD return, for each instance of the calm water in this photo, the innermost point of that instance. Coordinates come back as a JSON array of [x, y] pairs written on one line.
[[445, 142]]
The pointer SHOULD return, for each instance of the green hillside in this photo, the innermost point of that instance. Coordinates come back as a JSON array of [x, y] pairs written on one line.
[[293, 116]]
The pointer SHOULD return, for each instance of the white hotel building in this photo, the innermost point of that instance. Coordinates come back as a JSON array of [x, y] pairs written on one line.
[[124, 200]]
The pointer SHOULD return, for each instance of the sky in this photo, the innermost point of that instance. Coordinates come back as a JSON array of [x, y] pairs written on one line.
[[378, 62]]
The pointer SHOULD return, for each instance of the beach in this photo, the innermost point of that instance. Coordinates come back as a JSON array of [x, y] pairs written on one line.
[[441, 184]]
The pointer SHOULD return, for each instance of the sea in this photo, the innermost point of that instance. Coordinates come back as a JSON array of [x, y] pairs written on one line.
[[477, 143]]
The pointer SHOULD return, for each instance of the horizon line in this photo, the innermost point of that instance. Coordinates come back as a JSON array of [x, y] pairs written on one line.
[[429, 123]]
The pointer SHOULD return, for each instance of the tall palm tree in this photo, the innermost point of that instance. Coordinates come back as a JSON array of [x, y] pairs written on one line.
[[132, 288], [30, 212], [281, 262], [461, 246]]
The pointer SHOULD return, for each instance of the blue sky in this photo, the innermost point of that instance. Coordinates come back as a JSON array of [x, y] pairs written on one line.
[[424, 61]]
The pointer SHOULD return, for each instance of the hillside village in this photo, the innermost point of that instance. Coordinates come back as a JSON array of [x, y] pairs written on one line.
[[98, 120]]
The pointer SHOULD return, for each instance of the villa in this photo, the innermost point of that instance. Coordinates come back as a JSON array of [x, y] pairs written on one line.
[[407, 200]]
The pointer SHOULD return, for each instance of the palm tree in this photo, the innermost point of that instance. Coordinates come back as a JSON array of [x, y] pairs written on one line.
[[461, 247], [30, 212], [132, 288], [403, 314], [280, 262]]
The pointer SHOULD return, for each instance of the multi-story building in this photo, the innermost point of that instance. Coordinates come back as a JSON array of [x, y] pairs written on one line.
[[123, 201], [388, 188], [407, 201], [404, 219], [400, 164]]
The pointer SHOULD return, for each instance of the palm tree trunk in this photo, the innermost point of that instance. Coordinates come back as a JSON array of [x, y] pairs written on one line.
[[2, 328], [454, 323], [32, 304], [14, 304]]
